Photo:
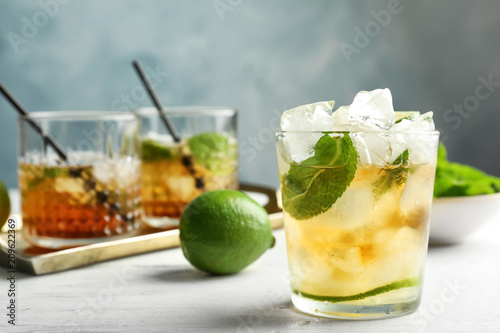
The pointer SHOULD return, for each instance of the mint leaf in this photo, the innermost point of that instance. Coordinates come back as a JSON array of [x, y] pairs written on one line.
[[152, 151], [35, 175], [390, 176], [401, 172], [312, 187], [214, 151], [454, 179], [56, 172]]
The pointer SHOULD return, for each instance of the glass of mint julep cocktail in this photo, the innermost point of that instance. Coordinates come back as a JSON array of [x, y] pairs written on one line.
[[356, 188], [174, 173], [91, 196]]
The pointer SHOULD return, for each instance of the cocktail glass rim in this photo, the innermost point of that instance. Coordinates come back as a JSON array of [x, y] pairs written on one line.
[[188, 111], [79, 115], [431, 132]]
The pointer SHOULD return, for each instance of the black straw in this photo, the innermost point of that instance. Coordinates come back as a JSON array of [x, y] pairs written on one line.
[[187, 160], [156, 101], [22, 111]]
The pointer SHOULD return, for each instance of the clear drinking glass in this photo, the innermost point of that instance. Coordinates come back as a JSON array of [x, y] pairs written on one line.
[[92, 196], [173, 173], [357, 228]]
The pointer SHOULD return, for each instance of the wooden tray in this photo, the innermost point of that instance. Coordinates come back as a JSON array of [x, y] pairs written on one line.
[[38, 261]]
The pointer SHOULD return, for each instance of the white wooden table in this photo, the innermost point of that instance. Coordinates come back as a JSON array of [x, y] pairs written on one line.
[[161, 292]]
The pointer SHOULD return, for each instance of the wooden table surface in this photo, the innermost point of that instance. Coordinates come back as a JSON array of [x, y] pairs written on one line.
[[162, 292]]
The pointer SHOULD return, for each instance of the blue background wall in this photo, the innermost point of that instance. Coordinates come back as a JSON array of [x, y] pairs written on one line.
[[260, 56]]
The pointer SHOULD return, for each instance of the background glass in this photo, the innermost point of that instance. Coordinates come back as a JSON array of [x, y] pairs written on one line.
[[173, 174], [363, 257], [91, 197]]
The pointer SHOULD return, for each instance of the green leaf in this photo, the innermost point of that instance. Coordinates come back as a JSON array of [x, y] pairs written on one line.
[[55, 172], [214, 151], [392, 176], [454, 179], [312, 187], [37, 174], [401, 172], [152, 151]]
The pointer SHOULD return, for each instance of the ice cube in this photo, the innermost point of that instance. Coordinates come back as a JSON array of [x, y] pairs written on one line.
[[70, 185], [126, 172], [374, 147], [301, 144], [363, 137], [392, 266], [361, 148], [397, 255], [416, 199], [343, 122], [306, 118], [398, 146], [373, 108], [355, 209], [420, 145], [386, 212], [311, 276], [183, 186], [347, 259], [423, 122], [341, 116], [391, 239], [310, 117], [104, 170], [284, 153], [380, 148], [370, 112]]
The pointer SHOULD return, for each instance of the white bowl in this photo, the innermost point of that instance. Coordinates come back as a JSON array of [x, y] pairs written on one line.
[[455, 218]]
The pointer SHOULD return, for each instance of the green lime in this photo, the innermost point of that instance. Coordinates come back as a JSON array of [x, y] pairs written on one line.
[[409, 115], [224, 231], [153, 151], [379, 290], [4, 204]]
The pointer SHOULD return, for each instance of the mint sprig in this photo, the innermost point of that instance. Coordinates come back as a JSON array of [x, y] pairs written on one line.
[[454, 179], [312, 187], [392, 176], [401, 172]]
